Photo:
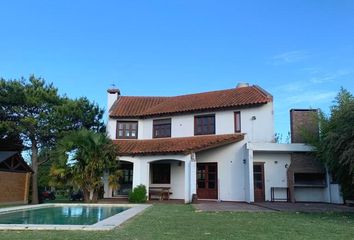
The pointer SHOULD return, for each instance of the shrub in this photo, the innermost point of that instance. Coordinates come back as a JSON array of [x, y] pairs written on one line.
[[138, 195]]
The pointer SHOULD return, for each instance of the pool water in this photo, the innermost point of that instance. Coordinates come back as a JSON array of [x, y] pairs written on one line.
[[64, 215]]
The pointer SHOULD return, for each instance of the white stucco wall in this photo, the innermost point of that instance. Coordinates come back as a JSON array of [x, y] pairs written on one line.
[[231, 170], [111, 128], [311, 194], [275, 173]]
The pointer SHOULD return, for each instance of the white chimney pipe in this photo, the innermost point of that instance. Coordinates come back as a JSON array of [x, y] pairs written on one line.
[[112, 96]]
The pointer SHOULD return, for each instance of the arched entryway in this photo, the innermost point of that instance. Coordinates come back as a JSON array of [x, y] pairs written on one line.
[[126, 181], [166, 179]]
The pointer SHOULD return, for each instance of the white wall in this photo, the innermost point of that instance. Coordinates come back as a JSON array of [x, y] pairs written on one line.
[[311, 195], [111, 128], [335, 194], [259, 130], [231, 170], [275, 173]]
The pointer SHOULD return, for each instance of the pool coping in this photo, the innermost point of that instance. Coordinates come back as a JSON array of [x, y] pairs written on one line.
[[104, 225]]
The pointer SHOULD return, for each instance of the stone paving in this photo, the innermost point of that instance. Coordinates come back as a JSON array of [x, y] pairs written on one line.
[[305, 207], [271, 207], [229, 207]]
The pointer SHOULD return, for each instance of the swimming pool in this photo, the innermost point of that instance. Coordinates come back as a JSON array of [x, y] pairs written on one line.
[[68, 216]]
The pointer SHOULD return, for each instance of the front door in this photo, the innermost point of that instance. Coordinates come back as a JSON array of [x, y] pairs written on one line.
[[207, 180], [258, 181]]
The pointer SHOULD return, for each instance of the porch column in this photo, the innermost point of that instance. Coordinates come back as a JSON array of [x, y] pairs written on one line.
[[193, 173], [187, 180], [136, 173], [145, 171], [107, 190], [249, 175]]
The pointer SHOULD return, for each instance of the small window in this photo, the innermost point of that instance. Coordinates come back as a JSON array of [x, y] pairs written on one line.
[[237, 122], [204, 124], [162, 128], [161, 173], [127, 130]]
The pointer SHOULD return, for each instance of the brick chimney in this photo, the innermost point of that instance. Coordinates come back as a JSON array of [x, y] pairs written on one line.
[[303, 122], [112, 95]]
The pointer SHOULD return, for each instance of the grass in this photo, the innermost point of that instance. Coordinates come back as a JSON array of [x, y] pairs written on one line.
[[183, 222]]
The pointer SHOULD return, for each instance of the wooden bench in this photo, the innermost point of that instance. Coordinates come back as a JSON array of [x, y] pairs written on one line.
[[162, 192]]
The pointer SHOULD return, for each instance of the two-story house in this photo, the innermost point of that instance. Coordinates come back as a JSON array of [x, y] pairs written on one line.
[[213, 145]]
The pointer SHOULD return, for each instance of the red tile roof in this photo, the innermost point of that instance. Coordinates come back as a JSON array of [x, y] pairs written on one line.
[[139, 107], [181, 145]]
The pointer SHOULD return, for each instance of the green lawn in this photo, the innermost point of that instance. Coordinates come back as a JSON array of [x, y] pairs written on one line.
[[183, 222]]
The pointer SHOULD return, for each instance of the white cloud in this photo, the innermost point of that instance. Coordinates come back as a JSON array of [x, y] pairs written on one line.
[[330, 77], [311, 97], [290, 57]]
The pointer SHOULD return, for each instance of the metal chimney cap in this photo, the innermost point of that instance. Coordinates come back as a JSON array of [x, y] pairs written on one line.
[[113, 91], [242, 84]]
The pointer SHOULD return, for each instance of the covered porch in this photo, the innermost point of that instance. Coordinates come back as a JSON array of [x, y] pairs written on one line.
[[164, 176], [167, 167]]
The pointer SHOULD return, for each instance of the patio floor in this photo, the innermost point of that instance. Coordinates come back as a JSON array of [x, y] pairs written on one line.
[[229, 207], [305, 207], [271, 207]]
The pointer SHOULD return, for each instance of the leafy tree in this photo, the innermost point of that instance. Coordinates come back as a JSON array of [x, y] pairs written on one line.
[[39, 115], [336, 143], [82, 158]]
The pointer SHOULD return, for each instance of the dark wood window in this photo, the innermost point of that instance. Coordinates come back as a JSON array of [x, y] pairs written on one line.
[[162, 128], [127, 129], [237, 122], [161, 173], [204, 124]]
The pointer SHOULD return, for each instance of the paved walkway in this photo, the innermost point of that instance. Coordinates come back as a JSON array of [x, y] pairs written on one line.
[[229, 207], [272, 207], [305, 207]]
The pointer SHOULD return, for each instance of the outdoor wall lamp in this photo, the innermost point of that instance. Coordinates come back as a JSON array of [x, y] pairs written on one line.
[[244, 161], [286, 165]]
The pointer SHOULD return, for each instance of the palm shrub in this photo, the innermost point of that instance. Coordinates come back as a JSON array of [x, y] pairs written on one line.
[[138, 195], [82, 158]]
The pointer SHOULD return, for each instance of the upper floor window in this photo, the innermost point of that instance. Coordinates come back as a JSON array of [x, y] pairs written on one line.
[[127, 129], [162, 128], [238, 122], [204, 124]]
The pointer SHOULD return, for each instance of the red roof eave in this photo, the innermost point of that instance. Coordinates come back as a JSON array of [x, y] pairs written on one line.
[[181, 145]]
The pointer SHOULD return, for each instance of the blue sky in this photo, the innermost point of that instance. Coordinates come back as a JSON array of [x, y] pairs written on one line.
[[300, 51]]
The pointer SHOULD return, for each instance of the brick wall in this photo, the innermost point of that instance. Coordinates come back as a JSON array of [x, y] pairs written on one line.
[[14, 187], [302, 163], [303, 122]]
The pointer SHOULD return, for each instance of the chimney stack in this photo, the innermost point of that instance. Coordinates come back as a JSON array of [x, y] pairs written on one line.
[[303, 123], [112, 95]]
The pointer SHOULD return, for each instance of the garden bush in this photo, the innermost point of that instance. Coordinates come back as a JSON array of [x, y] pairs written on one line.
[[138, 195]]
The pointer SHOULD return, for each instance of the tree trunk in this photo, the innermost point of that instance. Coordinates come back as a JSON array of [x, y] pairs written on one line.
[[94, 196], [86, 196], [34, 158]]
